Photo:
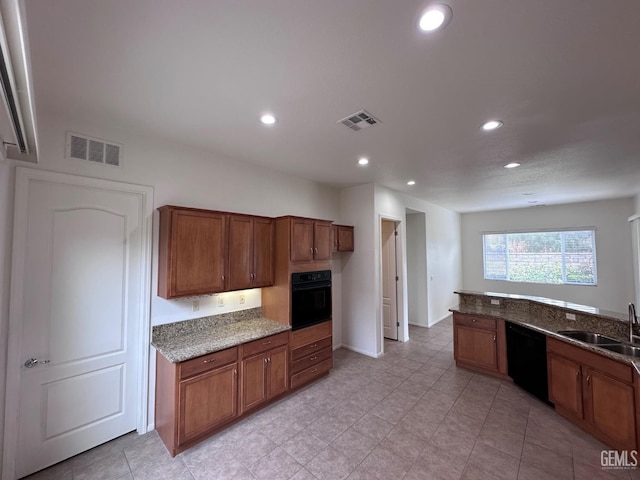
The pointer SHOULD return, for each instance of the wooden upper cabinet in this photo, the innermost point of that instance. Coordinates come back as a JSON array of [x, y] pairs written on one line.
[[263, 252], [321, 240], [310, 240], [250, 252], [192, 252], [301, 240], [345, 238]]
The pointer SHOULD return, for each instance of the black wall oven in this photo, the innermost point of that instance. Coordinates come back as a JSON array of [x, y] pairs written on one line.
[[310, 298]]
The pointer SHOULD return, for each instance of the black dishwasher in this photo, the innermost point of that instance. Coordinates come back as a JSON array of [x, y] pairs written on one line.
[[527, 360]]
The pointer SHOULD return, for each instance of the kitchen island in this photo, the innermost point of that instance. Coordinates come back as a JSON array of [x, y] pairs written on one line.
[[596, 388]]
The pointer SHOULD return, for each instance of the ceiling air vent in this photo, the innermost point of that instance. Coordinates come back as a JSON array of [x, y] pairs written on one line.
[[94, 150], [359, 120]]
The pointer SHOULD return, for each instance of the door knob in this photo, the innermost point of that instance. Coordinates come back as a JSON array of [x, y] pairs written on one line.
[[32, 362]]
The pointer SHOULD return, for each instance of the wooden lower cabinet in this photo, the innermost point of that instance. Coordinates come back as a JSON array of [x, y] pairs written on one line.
[[195, 397], [311, 353], [594, 391], [480, 343], [207, 401], [264, 370], [565, 384], [201, 396]]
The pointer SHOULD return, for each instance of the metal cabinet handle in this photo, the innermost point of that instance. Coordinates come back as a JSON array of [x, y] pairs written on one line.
[[494, 338], [235, 372], [266, 360], [314, 345], [473, 320], [210, 360], [32, 362], [267, 343], [315, 250], [313, 358], [222, 276], [588, 379], [577, 373]]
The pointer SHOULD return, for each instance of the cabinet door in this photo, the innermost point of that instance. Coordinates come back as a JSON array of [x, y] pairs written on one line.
[[207, 401], [321, 240], [476, 346], [609, 407], [301, 240], [345, 239], [198, 253], [278, 371], [565, 384], [240, 252], [254, 381], [263, 252], [334, 238]]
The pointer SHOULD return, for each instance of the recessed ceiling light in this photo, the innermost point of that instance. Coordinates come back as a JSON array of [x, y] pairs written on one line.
[[492, 125], [268, 119], [411, 182], [512, 165], [435, 17], [363, 161]]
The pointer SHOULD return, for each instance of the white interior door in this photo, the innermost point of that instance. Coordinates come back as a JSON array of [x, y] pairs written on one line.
[[81, 272], [389, 282]]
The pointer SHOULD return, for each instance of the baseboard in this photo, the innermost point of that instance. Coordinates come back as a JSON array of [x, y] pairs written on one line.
[[336, 347], [441, 319], [419, 324], [150, 428], [363, 352]]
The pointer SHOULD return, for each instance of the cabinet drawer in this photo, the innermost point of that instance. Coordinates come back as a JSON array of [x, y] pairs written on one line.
[[311, 373], [311, 360], [264, 344], [312, 334], [213, 360], [478, 322], [310, 348]]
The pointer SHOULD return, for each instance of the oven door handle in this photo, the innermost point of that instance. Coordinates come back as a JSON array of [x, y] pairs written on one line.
[[315, 286]]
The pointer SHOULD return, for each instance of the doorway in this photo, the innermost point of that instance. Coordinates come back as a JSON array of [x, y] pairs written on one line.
[[389, 235]]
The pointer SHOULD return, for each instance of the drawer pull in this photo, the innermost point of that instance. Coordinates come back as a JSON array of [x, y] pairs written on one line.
[[313, 346], [315, 370], [313, 358], [473, 320], [267, 343], [211, 360]]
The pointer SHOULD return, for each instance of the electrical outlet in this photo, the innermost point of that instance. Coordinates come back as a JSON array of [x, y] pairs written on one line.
[[495, 302], [241, 298], [195, 305], [221, 301], [571, 316]]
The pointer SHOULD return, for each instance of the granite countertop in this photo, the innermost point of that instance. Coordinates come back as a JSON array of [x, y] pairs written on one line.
[[548, 317], [186, 343]]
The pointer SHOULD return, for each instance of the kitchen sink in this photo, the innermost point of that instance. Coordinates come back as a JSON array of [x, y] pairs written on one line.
[[624, 349], [590, 337]]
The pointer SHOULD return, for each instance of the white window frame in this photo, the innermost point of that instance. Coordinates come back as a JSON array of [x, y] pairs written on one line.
[[550, 230]]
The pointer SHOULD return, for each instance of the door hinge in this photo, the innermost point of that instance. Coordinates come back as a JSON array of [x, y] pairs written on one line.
[[397, 324], [397, 278], [395, 232]]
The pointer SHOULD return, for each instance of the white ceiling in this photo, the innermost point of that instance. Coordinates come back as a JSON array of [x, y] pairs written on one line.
[[563, 75]]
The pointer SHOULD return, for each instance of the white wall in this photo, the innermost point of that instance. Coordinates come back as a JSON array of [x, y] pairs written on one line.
[[417, 289], [613, 250], [637, 204], [364, 206], [358, 283]]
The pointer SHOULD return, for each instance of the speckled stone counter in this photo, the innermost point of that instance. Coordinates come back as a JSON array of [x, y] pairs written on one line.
[[182, 341], [549, 317]]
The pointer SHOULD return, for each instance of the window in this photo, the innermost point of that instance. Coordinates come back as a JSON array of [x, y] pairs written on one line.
[[564, 257]]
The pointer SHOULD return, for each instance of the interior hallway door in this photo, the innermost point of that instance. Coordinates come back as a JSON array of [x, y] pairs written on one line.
[[389, 280], [78, 294]]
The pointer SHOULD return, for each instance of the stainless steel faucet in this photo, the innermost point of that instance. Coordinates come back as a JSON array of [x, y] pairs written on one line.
[[633, 320]]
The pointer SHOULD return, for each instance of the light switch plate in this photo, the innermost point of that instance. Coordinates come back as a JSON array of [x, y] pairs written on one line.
[[495, 302], [571, 316]]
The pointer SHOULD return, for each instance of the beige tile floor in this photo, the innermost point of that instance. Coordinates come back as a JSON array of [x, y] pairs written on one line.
[[411, 414]]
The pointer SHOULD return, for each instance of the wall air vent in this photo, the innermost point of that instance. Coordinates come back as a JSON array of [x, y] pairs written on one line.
[[359, 120], [82, 147]]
